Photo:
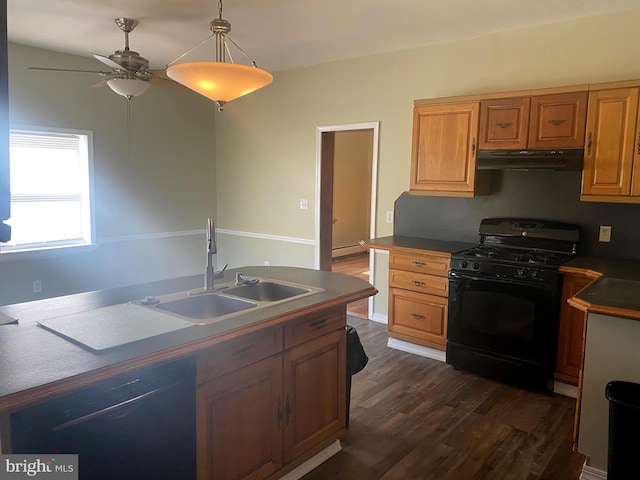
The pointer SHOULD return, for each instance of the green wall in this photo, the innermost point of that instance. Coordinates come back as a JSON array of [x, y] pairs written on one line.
[[266, 142], [151, 204]]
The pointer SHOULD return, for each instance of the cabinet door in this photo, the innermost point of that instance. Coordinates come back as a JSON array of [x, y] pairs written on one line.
[[558, 121], [315, 393], [418, 316], [443, 155], [239, 423], [610, 142], [570, 331], [504, 123]]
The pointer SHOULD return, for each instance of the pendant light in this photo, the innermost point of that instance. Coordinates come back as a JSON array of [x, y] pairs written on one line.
[[219, 81]]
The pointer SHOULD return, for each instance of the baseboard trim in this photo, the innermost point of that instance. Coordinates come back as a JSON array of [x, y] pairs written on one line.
[[590, 473], [565, 389], [417, 349], [315, 461], [378, 317]]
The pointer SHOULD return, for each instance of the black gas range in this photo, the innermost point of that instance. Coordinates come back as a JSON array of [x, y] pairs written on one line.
[[504, 299]]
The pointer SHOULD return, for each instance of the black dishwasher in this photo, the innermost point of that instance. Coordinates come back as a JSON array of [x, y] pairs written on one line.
[[138, 425]]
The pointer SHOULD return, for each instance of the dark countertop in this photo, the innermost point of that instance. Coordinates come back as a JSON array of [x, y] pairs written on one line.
[[616, 290], [417, 243], [35, 363]]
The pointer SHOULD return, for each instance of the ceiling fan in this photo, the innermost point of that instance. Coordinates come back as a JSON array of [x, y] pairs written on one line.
[[130, 75]]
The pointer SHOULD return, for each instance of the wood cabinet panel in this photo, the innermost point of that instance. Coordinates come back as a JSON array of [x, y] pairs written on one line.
[[610, 142], [443, 157], [571, 330], [418, 262], [239, 424], [315, 393], [235, 354], [418, 315], [311, 326], [558, 121], [504, 123], [419, 282]]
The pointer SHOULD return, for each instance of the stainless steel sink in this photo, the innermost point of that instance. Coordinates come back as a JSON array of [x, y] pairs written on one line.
[[206, 306], [266, 291], [228, 300]]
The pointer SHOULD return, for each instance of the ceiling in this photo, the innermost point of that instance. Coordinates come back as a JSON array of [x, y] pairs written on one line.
[[280, 34]]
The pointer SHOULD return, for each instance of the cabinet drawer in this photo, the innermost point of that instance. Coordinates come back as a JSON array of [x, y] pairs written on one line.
[[418, 315], [422, 263], [314, 325], [235, 354], [419, 282]]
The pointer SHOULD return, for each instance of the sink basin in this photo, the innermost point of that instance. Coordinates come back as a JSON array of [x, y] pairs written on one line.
[[266, 291], [205, 306]]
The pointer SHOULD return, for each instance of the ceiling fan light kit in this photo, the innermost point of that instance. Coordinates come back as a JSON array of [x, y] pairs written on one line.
[[219, 81], [128, 87]]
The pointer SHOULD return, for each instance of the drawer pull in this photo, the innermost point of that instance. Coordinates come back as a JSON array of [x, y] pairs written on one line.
[[556, 122], [279, 412], [318, 323], [419, 264], [418, 283], [503, 124], [243, 351], [417, 316], [589, 143]]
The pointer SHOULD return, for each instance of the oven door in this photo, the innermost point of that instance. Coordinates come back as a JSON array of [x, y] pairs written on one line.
[[506, 317]]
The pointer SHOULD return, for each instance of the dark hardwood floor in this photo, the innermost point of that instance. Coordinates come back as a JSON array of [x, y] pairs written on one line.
[[417, 418], [357, 266]]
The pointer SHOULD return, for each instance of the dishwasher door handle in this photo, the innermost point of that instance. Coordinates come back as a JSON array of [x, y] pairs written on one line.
[[113, 408]]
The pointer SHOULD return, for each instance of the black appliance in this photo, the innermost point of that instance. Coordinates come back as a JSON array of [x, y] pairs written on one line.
[[139, 425], [557, 159], [504, 300]]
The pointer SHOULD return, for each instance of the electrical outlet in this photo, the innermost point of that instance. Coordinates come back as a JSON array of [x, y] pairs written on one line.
[[304, 204], [605, 233], [266, 263], [37, 286], [389, 216]]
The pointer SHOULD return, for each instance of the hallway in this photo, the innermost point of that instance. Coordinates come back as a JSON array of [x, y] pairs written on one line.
[[358, 266]]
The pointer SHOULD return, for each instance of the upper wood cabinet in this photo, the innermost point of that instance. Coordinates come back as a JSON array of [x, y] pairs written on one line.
[[536, 122], [612, 150], [443, 155], [505, 123]]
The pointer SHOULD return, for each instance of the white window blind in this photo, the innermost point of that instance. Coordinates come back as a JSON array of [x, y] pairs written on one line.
[[50, 172]]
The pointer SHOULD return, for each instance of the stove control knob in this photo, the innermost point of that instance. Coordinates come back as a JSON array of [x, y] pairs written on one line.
[[535, 274], [476, 266], [464, 264], [522, 272]]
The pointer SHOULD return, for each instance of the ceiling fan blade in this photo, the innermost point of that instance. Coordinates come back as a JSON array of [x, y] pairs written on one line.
[[103, 83], [108, 62], [99, 72]]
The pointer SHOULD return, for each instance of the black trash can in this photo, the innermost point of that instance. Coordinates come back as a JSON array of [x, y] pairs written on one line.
[[624, 427], [356, 360]]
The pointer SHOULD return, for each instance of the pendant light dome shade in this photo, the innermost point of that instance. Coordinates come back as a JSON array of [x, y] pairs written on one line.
[[219, 81], [128, 87]]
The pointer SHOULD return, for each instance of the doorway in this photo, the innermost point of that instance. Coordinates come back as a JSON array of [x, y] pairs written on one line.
[[346, 174]]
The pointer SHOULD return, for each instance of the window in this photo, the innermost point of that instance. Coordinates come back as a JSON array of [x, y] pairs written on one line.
[[50, 173]]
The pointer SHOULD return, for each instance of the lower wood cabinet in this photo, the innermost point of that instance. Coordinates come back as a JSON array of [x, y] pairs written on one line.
[[571, 330], [418, 297], [272, 413]]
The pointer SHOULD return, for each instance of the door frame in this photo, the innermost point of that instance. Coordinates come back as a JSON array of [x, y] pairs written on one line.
[[324, 169]]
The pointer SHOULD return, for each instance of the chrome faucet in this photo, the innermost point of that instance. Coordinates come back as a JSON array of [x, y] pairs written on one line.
[[209, 272]]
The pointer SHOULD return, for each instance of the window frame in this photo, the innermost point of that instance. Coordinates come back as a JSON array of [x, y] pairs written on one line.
[[12, 253]]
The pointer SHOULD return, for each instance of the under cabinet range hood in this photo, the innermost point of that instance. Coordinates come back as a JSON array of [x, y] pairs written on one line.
[[536, 160]]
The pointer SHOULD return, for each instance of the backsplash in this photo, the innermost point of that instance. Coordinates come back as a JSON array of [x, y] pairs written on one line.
[[544, 195]]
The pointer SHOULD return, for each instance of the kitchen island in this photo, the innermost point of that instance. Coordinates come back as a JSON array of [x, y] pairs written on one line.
[[611, 337], [307, 332]]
